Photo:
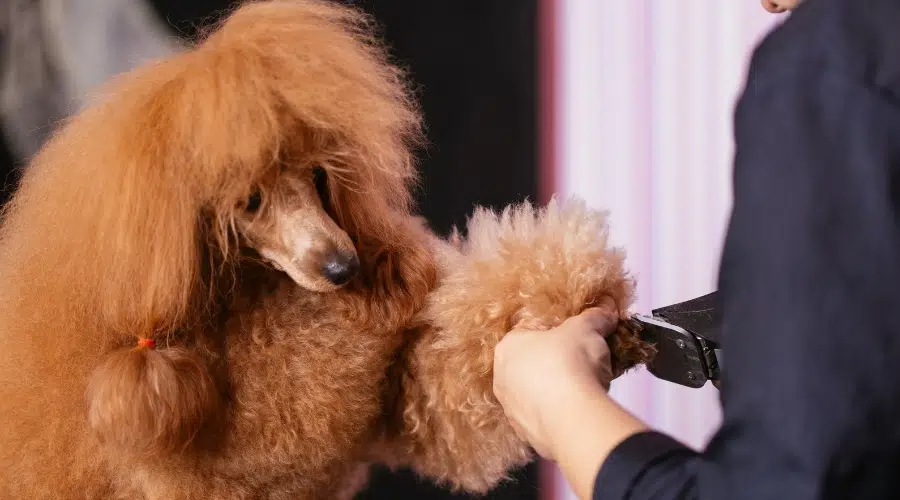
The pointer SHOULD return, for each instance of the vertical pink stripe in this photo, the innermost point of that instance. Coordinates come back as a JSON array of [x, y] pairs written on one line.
[[548, 161], [547, 102]]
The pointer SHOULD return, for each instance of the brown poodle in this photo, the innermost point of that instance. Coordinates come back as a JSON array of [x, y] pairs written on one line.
[[214, 286]]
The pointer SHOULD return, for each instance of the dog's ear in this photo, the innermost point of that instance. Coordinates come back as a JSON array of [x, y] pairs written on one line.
[[106, 222], [142, 399], [155, 283], [159, 276]]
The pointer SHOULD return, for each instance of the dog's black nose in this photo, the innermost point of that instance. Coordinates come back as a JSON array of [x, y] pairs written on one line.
[[340, 267]]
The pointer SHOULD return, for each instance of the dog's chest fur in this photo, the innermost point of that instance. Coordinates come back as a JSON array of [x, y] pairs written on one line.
[[305, 375]]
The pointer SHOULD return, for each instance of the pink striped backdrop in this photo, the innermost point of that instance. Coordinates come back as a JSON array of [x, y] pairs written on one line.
[[637, 101]]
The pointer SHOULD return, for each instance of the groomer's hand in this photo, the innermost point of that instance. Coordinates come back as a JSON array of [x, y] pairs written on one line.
[[540, 376], [553, 387]]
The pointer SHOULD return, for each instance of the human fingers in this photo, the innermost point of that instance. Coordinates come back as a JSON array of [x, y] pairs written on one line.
[[603, 318]]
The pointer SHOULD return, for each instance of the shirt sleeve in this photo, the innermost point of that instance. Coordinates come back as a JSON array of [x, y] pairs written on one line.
[[810, 277]]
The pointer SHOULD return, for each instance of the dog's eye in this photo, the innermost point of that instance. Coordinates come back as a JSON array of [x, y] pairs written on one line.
[[254, 202], [320, 178]]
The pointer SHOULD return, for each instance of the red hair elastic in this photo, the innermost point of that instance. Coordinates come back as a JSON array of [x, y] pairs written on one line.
[[145, 342]]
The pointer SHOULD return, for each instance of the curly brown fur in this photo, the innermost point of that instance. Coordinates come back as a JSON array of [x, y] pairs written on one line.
[[529, 268], [148, 214]]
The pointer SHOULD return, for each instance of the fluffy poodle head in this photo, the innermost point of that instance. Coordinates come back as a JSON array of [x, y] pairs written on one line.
[[284, 133], [285, 130]]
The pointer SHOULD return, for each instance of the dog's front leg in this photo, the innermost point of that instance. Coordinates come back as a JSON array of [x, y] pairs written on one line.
[[525, 268]]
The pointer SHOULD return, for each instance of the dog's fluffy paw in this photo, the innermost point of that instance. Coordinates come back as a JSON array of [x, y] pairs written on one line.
[[524, 267], [532, 267]]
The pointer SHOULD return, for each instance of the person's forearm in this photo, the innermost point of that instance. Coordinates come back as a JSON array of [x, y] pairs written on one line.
[[589, 428]]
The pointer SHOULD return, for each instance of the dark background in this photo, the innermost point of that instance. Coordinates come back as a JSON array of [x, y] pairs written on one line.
[[8, 169], [475, 62]]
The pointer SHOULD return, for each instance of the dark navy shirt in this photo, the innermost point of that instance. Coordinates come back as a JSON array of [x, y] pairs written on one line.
[[810, 276]]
